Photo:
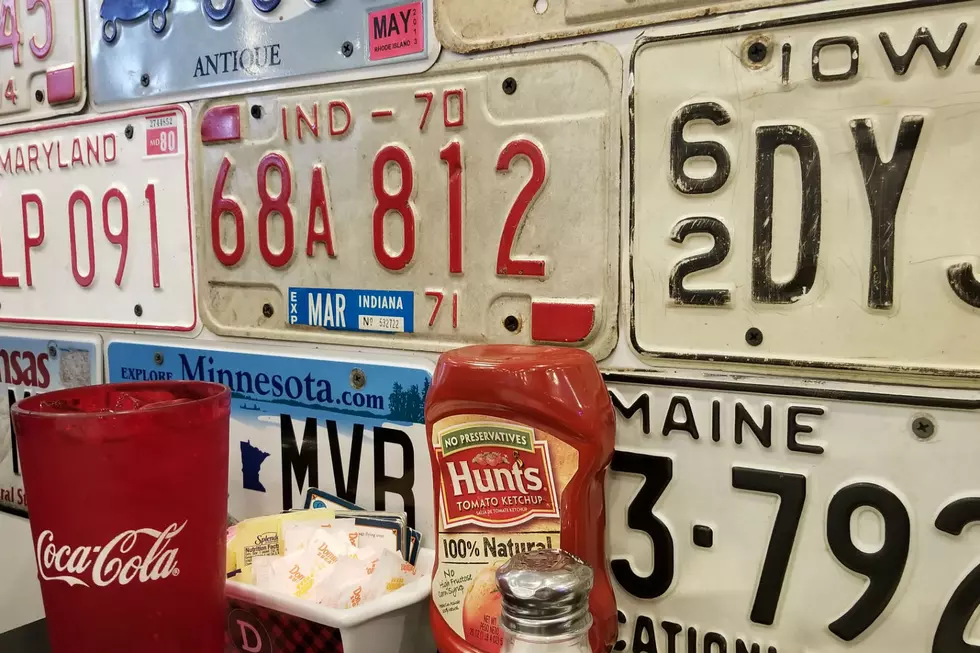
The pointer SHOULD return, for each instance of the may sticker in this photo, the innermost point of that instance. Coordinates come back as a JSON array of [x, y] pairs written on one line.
[[396, 31]]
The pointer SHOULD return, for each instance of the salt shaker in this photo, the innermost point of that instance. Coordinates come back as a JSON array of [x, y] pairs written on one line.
[[545, 603]]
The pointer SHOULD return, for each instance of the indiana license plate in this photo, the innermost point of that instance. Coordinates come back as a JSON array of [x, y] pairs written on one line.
[[351, 427], [802, 190], [33, 362], [779, 515], [192, 49], [423, 213], [42, 59], [96, 225], [467, 26]]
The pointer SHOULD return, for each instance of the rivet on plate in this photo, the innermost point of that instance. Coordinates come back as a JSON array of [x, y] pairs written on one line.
[[256, 111], [39, 95], [510, 86], [145, 79], [347, 49], [128, 132], [52, 351], [158, 358], [512, 324], [138, 310], [267, 310], [753, 336], [357, 378], [923, 427]]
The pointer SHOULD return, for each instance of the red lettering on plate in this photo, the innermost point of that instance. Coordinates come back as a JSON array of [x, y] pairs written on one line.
[[452, 156], [438, 295], [32, 155], [458, 121], [303, 119], [318, 204], [278, 204], [285, 125], [332, 108], [396, 31], [83, 280], [106, 139], [161, 141], [7, 281], [120, 239], [219, 206], [427, 96], [151, 199], [506, 265], [41, 51], [394, 202], [9, 29], [30, 241]]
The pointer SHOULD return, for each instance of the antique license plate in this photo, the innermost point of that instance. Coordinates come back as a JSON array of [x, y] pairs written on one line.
[[33, 362], [423, 213], [353, 427], [801, 191], [42, 59], [467, 26], [192, 49], [96, 225], [794, 516]]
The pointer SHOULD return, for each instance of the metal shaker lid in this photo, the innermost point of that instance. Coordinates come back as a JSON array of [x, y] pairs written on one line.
[[545, 592]]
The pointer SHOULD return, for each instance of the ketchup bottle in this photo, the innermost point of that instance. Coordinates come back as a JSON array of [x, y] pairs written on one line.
[[520, 439]]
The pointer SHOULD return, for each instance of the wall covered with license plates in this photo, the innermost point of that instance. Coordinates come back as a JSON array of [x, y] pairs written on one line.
[[757, 215]]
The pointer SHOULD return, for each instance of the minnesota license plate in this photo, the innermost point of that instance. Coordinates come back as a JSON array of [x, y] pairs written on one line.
[[192, 49], [301, 419], [803, 190], [33, 362], [423, 213], [42, 59], [467, 26], [780, 515], [95, 222]]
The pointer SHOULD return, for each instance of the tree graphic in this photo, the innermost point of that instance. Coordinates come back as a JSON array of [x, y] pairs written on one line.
[[407, 405]]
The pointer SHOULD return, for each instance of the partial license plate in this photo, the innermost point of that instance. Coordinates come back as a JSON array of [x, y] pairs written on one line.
[[96, 225], [785, 516], [422, 213], [33, 362], [299, 419], [801, 190], [193, 49], [42, 59], [467, 26]]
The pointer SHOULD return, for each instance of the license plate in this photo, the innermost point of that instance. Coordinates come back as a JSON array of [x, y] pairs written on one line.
[[193, 49], [96, 225], [467, 26], [785, 516], [42, 59], [422, 213], [33, 362], [800, 191], [353, 427]]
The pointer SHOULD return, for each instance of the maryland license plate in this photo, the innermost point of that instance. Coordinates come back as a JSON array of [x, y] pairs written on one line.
[[95, 222], [476, 203], [192, 49], [803, 190], [42, 59], [354, 428], [33, 362], [778, 515]]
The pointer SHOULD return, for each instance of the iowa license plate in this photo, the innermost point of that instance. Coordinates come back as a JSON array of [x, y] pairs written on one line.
[[802, 190], [783, 516], [95, 222], [42, 59], [192, 49], [354, 428], [424, 213], [33, 362]]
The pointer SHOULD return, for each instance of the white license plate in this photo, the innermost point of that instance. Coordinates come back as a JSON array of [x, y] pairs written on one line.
[[351, 427], [33, 362], [42, 59], [423, 213], [179, 50], [802, 190], [467, 26], [95, 222], [786, 516]]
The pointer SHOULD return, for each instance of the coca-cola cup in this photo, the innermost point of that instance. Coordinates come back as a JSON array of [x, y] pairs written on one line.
[[126, 490]]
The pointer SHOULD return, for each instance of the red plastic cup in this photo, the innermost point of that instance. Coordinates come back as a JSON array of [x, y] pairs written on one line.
[[127, 487]]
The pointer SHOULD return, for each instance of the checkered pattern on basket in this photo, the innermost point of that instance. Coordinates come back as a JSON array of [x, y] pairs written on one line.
[[277, 632]]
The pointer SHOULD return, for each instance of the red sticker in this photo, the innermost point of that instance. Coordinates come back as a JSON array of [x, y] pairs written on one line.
[[161, 136], [396, 31]]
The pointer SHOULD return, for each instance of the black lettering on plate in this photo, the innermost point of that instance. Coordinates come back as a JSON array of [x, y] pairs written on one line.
[[672, 630], [952, 519], [644, 636], [687, 424], [793, 429], [764, 289], [942, 58], [681, 150], [714, 643], [403, 485], [852, 70], [884, 184], [699, 262], [300, 462], [642, 404], [345, 490], [763, 432]]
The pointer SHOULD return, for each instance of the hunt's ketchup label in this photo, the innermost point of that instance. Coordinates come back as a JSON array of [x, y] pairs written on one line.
[[520, 440]]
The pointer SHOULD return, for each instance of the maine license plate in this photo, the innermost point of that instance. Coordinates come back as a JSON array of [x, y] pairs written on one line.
[[353, 427], [192, 49], [802, 190], [95, 222], [425, 213], [42, 59], [466, 26], [33, 362], [794, 517]]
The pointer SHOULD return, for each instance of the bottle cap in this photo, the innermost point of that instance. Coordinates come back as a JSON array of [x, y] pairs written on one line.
[[545, 593]]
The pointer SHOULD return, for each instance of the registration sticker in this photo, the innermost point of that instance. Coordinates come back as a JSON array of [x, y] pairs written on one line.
[[396, 31], [388, 311]]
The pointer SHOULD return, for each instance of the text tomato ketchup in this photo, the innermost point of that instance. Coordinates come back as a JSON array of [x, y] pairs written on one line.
[[520, 439]]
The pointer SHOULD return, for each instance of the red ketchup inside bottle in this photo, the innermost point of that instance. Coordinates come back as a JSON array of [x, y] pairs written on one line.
[[520, 439]]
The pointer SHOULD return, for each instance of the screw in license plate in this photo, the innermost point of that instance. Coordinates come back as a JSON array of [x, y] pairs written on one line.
[[756, 51], [357, 378], [128, 132], [52, 350], [138, 310], [754, 337], [158, 358], [510, 86], [347, 49], [923, 427], [267, 310], [145, 79]]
